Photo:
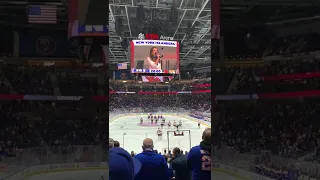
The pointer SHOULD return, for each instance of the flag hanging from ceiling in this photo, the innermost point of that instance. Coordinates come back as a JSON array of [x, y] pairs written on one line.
[[122, 66], [215, 31], [42, 14]]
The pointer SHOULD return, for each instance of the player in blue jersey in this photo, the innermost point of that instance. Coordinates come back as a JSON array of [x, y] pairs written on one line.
[[199, 158]]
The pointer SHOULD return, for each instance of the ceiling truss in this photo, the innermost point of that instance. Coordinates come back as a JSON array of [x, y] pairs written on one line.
[[197, 12]]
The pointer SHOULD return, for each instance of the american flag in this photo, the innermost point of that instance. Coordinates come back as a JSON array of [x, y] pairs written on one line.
[[122, 66], [42, 14]]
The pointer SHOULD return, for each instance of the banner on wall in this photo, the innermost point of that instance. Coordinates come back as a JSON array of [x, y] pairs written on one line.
[[156, 78], [44, 44], [84, 19], [123, 75]]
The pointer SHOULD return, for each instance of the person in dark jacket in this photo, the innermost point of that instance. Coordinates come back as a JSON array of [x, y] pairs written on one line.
[[179, 165], [153, 165], [199, 158], [121, 165], [116, 144]]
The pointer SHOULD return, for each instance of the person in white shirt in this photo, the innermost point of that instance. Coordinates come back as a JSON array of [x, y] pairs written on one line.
[[153, 60]]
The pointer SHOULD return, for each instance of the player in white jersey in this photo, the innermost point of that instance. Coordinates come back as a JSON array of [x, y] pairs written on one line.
[[174, 123], [162, 124], [141, 120], [159, 133], [101, 176], [156, 120], [169, 124], [180, 123]]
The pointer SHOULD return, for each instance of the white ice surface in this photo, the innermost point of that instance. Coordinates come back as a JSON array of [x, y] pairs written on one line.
[[135, 134]]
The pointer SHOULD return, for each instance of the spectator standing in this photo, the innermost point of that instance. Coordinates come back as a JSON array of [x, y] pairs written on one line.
[[179, 165], [121, 165], [153, 165], [116, 144], [199, 158], [111, 143]]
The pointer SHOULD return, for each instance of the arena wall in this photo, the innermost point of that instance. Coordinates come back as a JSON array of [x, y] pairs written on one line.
[[49, 168], [186, 116], [238, 173]]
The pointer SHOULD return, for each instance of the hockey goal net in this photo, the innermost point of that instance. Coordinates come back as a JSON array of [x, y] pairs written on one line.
[[178, 134]]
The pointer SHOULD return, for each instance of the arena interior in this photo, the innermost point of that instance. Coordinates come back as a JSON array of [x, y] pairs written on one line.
[[261, 71], [266, 87], [172, 106], [53, 92]]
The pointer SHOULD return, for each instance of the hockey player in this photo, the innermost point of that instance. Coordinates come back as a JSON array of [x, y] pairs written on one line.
[[156, 121], [141, 120], [169, 124], [162, 124], [154, 117], [158, 116], [199, 124], [101, 176], [151, 121], [174, 123], [149, 117], [180, 123], [159, 133]]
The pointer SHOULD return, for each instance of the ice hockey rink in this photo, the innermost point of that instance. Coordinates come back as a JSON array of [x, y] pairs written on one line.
[[216, 175], [71, 175], [128, 131]]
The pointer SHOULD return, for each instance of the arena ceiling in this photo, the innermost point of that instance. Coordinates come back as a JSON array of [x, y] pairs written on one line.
[[248, 12], [196, 49], [197, 12]]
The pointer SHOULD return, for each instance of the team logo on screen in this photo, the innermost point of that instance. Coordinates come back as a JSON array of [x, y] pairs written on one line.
[[141, 36], [46, 45]]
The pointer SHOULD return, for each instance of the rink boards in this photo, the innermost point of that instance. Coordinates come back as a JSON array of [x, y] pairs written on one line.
[[29, 172]]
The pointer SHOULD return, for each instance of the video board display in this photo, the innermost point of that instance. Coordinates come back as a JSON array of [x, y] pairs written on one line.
[[155, 56]]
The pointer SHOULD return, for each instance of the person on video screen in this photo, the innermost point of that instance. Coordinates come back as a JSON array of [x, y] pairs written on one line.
[[153, 60]]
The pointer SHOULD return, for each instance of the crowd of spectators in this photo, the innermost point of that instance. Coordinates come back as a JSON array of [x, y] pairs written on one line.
[[29, 80], [285, 130], [150, 103], [293, 44], [29, 136], [73, 84], [164, 165], [268, 79], [4, 85]]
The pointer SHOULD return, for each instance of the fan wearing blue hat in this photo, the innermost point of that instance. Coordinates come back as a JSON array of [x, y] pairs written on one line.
[[153, 165], [121, 165]]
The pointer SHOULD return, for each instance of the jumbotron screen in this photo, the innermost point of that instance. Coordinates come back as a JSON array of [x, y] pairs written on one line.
[[155, 56]]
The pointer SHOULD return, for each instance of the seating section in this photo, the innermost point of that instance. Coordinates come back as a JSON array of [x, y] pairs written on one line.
[[29, 80]]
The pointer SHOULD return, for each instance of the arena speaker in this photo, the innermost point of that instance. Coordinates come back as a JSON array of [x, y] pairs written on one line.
[[118, 26], [140, 13], [96, 10], [177, 133], [173, 17], [190, 30]]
